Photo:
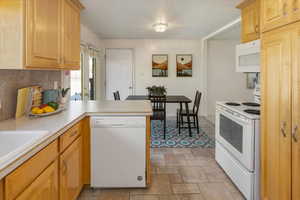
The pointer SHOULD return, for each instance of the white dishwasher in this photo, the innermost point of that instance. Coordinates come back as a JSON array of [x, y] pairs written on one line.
[[118, 152]]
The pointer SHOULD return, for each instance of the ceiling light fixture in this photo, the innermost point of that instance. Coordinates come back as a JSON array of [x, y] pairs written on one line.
[[160, 27]]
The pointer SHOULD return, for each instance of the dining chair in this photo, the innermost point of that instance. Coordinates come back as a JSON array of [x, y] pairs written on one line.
[[117, 96], [192, 113], [159, 110]]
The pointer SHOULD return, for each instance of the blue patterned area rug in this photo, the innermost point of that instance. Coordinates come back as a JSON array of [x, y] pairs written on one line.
[[174, 140]]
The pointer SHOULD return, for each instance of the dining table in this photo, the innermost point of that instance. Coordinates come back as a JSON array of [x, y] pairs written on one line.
[[178, 99]]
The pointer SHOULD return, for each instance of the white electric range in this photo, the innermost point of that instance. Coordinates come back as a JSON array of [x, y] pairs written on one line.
[[237, 144]]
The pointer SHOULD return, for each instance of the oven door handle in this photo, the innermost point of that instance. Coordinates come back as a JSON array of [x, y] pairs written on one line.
[[232, 116]]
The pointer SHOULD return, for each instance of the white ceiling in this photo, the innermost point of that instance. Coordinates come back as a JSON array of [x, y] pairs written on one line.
[[232, 33], [187, 19]]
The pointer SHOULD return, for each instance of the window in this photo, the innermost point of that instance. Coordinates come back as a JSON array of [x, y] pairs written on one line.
[[92, 78], [76, 82], [83, 81]]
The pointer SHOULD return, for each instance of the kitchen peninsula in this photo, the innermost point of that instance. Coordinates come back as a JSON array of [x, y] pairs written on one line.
[[58, 156]]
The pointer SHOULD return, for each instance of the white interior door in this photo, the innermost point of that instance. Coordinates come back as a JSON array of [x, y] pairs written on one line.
[[119, 72]]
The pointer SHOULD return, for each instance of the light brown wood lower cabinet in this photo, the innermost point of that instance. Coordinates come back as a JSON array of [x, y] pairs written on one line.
[[45, 187], [280, 145], [50, 175], [1, 190], [18, 180], [69, 136], [296, 113], [71, 171], [86, 151]]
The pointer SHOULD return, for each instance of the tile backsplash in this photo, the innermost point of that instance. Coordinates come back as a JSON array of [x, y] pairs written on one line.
[[11, 80]]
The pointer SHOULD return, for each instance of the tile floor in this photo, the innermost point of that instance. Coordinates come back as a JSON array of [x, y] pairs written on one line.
[[178, 174]]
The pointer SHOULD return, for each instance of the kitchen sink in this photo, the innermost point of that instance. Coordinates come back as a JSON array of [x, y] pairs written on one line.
[[16, 143]]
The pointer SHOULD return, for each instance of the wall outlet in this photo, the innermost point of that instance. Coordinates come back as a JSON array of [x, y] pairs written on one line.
[[55, 85]]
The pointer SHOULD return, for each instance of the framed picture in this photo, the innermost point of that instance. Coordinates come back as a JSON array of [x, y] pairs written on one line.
[[184, 65], [160, 64]]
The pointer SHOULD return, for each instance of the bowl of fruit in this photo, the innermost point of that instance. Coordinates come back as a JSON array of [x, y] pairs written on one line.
[[50, 108]]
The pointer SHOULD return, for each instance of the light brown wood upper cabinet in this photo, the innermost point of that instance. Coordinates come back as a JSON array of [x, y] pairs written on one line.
[[295, 10], [43, 34], [276, 13], [44, 187], [71, 171], [250, 20], [71, 35], [36, 34]]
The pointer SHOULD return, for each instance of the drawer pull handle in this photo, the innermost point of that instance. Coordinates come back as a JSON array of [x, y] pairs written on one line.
[[73, 133], [256, 29], [282, 129], [65, 167], [294, 134]]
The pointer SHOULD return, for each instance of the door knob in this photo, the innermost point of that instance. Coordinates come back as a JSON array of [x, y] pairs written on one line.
[[282, 129], [294, 134]]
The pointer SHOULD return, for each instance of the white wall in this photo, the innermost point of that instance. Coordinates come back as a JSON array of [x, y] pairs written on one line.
[[88, 37], [223, 83], [143, 50]]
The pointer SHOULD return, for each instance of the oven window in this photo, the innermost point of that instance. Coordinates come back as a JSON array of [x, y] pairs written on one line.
[[232, 132]]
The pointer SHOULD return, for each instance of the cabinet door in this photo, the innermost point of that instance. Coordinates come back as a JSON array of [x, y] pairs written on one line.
[[71, 171], [2, 190], [71, 35], [276, 117], [274, 13], [44, 187], [250, 22], [295, 10], [296, 115], [43, 33]]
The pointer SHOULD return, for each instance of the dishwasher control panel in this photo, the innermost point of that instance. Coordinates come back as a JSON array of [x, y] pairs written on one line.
[[118, 122]]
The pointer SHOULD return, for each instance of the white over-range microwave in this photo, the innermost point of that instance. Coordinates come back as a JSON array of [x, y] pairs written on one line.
[[248, 57]]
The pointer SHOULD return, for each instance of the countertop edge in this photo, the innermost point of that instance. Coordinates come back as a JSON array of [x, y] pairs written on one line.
[[31, 151]]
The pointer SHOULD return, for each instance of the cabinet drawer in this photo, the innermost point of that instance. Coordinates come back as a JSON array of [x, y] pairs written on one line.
[[23, 176], [69, 136]]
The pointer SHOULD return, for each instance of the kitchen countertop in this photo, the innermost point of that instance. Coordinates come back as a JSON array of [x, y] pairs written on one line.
[[57, 124]]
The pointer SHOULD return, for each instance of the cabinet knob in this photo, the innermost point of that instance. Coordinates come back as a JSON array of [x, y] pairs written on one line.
[[294, 134]]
